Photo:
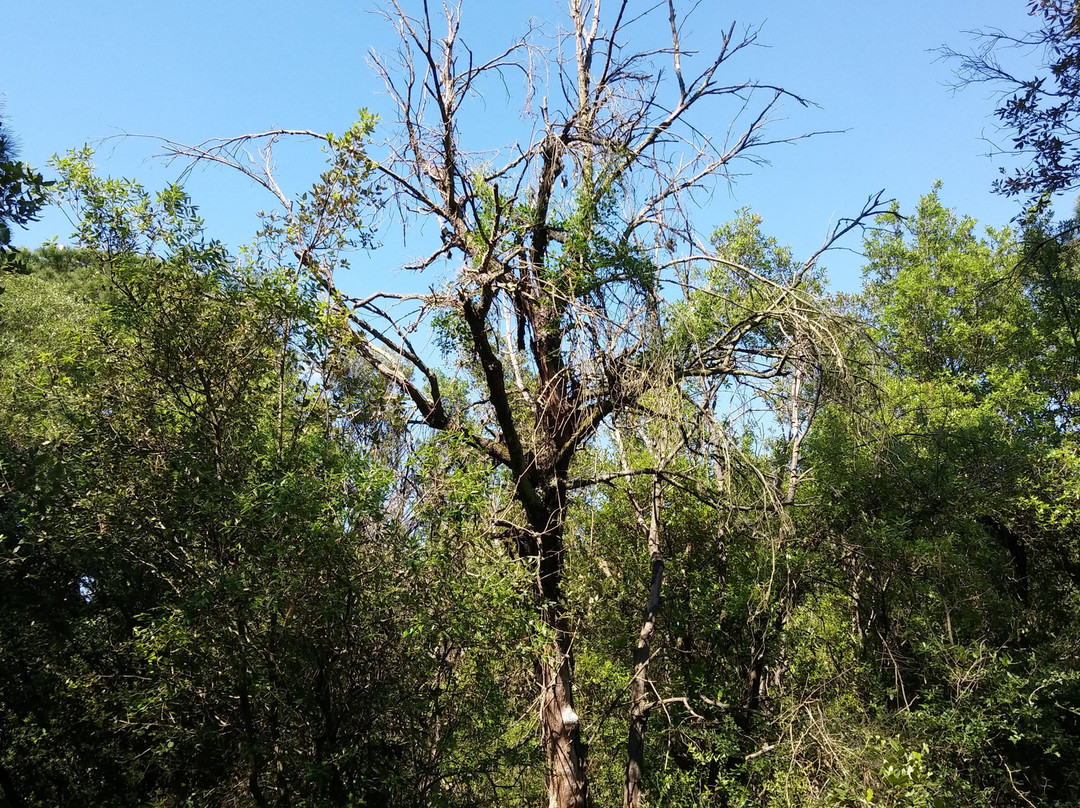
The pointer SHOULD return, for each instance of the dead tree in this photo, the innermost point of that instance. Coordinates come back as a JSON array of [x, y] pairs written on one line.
[[564, 250]]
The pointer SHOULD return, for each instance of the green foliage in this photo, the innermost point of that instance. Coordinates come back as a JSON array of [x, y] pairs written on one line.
[[23, 192], [947, 302], [191, 542], [960, 592], [596, 257], [231, 573], [330, 216], [903, 780], [747, 278]]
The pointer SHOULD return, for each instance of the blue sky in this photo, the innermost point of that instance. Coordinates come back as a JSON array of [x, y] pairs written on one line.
[[74, 72]]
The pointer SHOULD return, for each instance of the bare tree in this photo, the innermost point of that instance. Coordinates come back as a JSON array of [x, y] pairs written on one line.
[[565, 250]]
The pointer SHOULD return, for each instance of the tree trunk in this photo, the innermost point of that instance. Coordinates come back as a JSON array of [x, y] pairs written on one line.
[[566, 781], [565, 757], [639, 706]]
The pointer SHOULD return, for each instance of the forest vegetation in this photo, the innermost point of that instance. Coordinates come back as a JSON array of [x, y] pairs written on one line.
[[608, 512]]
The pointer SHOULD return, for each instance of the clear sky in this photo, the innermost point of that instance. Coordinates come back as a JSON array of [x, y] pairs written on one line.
[[73, 72]]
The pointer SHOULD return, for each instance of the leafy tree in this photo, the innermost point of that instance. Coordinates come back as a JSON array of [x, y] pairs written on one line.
[[957, 591], [201, 598], [22, 195]]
